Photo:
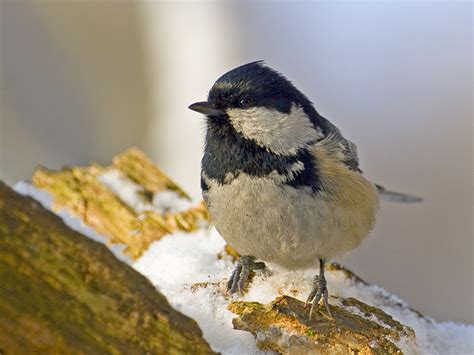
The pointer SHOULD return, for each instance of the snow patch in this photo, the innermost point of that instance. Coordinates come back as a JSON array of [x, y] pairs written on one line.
[[133, 195], [170, 201], [183, 259], [180, 260], [73, 222], [177, 262]]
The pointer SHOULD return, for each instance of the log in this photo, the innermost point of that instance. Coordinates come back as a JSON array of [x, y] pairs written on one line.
[[64, 293], [283, 326], [82, 191], [280, 326]]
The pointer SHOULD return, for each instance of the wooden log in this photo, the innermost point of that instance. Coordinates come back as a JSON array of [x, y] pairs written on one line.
[[81, 191], [61, 292], [283, 326], [135, 164]]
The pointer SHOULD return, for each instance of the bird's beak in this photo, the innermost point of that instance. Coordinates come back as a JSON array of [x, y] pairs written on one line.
[[206, 108]]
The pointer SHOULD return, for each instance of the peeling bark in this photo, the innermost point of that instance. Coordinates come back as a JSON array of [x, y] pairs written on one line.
[[119, 309], [79, 190], [284, 326]]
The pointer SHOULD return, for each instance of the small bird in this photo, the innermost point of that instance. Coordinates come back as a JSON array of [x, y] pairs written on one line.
[[280, 181]]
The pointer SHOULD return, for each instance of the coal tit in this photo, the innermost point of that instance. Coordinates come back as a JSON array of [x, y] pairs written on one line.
[[281, 182]]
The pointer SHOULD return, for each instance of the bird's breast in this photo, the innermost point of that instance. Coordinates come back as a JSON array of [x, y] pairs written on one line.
[[279, 223]]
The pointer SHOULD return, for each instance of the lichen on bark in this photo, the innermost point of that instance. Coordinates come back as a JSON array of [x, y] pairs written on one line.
[[64, 293], [283, 326], [80, 190]]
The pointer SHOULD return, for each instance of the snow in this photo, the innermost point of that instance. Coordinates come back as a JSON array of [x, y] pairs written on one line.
[[180, 260], [73, 222], [191, 270], [170, 201], [132, 195], [175, 265]]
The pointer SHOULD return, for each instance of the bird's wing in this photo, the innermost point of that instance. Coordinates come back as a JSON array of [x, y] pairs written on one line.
[[346, 151], [339, 145]]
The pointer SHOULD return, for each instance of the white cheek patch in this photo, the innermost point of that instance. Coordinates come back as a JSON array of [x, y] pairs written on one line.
[[280, 133]]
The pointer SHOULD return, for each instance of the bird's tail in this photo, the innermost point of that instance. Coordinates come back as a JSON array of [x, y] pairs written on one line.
[[388, 195]]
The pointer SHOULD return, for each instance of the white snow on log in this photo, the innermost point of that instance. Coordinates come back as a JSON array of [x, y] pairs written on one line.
[[126, 190], [170, 201], [73, 222], [132, 195], [180, 260]]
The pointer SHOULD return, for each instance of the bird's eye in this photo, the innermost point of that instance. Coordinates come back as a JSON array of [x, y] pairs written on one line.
[[245, 102]]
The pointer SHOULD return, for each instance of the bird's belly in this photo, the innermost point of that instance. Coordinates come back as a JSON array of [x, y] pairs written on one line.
[[281, 224]]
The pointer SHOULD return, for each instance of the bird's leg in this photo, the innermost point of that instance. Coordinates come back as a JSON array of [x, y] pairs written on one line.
[[241, 273], [318, 291]]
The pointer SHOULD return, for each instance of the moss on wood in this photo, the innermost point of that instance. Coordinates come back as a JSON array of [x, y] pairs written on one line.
[[135, 164], [284, 326], [64, 293], [80, 191]]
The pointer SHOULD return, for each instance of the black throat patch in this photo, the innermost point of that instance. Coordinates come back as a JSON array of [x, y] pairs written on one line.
[[227, 153]]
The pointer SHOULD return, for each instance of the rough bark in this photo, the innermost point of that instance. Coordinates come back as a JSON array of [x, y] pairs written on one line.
[[281, 326], [284, 326], [80, 191], [61, 292]]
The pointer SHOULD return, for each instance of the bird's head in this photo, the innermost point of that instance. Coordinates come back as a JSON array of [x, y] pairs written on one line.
[[262, 106]]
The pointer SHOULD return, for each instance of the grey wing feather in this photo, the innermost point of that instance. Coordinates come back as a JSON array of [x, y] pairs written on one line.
[[348, 151], [392, 196], [342, 145]]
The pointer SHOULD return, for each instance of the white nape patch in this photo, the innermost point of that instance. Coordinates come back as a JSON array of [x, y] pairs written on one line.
[[175, 263], [72, 221], [132, 195], [280, 133]]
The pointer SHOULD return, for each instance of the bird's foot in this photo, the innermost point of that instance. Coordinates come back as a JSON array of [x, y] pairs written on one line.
[[318, 292], [241, 273]]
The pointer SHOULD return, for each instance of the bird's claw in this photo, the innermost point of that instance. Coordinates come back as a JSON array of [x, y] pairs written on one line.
[[241, 273], [318, 292]]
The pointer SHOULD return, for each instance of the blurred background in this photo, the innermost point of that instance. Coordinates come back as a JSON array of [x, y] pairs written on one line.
[[83, 80]]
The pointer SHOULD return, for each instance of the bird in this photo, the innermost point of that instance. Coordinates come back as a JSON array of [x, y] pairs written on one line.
[[281, 182]]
